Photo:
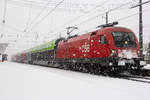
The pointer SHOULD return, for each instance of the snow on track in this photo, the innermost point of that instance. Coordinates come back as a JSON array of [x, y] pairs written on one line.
[[147, 67], [30, 82]]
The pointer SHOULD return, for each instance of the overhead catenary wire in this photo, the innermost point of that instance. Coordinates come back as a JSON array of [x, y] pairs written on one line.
[[29, 18], [13, 28], [102, 3], [140, 4], [93, 8], [121, 19], [76, 18], [51, 4], [126, 17], [119, 6], [28, 3], [113, 9], [52, 10], [38, 15]]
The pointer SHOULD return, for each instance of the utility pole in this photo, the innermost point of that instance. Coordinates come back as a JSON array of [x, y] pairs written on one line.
[[106, 17], [60, 35], [140, 25], [4, 19], [141, 28]]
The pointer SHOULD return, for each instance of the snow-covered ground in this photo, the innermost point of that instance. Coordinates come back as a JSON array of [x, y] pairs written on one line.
[[29, 82]]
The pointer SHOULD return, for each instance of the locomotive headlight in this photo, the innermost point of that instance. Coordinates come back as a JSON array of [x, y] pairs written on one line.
[[113, 53], [138, 53], [126, 42]]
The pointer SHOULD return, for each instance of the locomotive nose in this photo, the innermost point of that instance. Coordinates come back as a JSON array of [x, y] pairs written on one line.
[[128, 54]]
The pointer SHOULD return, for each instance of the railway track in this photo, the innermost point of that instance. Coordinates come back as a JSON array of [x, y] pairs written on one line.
[[142, 72], [135, 78], [142, 75], [139, 76]]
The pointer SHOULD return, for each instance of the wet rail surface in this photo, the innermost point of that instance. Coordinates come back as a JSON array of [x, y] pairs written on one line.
[[142, 75]]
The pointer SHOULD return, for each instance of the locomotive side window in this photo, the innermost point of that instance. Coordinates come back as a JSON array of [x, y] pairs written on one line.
[[103, 39]]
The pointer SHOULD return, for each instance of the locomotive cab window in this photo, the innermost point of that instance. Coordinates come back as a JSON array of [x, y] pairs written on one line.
[[103, 39], [124, 39]]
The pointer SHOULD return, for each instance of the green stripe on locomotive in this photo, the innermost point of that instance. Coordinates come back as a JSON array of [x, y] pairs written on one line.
[[44, 47]]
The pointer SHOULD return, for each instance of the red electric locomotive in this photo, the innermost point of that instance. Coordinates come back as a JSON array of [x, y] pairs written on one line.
[[108, 48]]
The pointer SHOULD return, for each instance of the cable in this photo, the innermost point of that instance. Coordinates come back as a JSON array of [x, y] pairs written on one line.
[[51, 4], [140, 4], [146, 10], [76, 18], [116, 8], [39, 13], [15, 29], [113, 9], [27, 25], [83, 14], [47, 15], [48, 3], [35, 3]]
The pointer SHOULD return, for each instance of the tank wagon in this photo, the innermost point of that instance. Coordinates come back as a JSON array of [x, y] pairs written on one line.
[[109, 48]]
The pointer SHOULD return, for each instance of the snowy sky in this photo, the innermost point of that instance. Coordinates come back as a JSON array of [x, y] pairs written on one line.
[[32, 22]]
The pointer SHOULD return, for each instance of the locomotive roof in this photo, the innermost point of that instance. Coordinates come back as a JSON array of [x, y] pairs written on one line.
[[43, 47], [124, 28], [87, 35], [40, 48], [50, 45]]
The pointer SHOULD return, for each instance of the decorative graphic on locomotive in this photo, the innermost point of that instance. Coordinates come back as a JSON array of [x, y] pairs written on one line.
[[109, 48]]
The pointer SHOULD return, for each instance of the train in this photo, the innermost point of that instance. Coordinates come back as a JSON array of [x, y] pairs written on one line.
[[3, 57], [107, 49]]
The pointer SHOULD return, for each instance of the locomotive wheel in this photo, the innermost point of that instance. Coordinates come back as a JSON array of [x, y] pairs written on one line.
[[67, 66], [95, 69], [83, 68]]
